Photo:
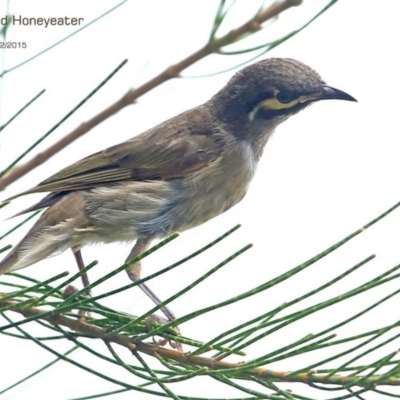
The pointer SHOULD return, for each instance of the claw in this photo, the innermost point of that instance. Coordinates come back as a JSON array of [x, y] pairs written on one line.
[[152, 321]]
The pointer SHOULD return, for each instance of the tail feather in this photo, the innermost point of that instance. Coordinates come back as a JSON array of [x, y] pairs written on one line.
[[53, 233], [48, 201], [7, 263]]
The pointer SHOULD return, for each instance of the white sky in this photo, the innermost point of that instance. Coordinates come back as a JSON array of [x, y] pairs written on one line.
[[325, 173]]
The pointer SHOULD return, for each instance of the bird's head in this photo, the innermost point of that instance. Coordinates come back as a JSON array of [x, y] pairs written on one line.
[[268, 92]]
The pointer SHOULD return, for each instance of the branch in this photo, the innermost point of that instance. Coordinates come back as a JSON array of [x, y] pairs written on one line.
[[212, 364]]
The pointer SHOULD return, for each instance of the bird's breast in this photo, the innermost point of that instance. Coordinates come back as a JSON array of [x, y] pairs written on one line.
[[216, 188]]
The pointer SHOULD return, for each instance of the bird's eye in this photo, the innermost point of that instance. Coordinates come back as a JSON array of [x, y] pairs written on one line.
[[284, 97]]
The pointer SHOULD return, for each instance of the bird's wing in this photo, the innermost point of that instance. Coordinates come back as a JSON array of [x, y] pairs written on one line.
[[171, 150]]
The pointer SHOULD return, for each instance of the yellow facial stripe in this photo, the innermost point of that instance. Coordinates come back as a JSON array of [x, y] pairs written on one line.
[[275, 104]]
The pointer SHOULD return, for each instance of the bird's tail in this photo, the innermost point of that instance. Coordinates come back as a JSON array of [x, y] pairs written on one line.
[[7, 263], [52, 234], [32, 248]]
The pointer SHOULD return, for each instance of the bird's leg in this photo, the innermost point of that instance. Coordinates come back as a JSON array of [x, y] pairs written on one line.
[[69, 290], [85, 280], [133, 272], [81, 266]]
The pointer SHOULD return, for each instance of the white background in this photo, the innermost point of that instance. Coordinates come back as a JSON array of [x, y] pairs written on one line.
[[325, 173]]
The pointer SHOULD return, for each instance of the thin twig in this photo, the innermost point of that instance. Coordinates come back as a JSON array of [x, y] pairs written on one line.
[[212, 364]]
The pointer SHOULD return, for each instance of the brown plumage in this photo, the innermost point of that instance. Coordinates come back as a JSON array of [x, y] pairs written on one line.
[[176, 175]]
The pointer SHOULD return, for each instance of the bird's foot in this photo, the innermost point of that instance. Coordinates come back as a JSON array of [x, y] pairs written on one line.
[[153, 321], [68, 292]]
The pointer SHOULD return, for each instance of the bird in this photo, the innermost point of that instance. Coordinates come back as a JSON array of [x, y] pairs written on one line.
[[172, 177]]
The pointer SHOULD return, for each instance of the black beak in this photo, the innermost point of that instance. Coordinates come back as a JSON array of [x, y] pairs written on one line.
[[326, 93]]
